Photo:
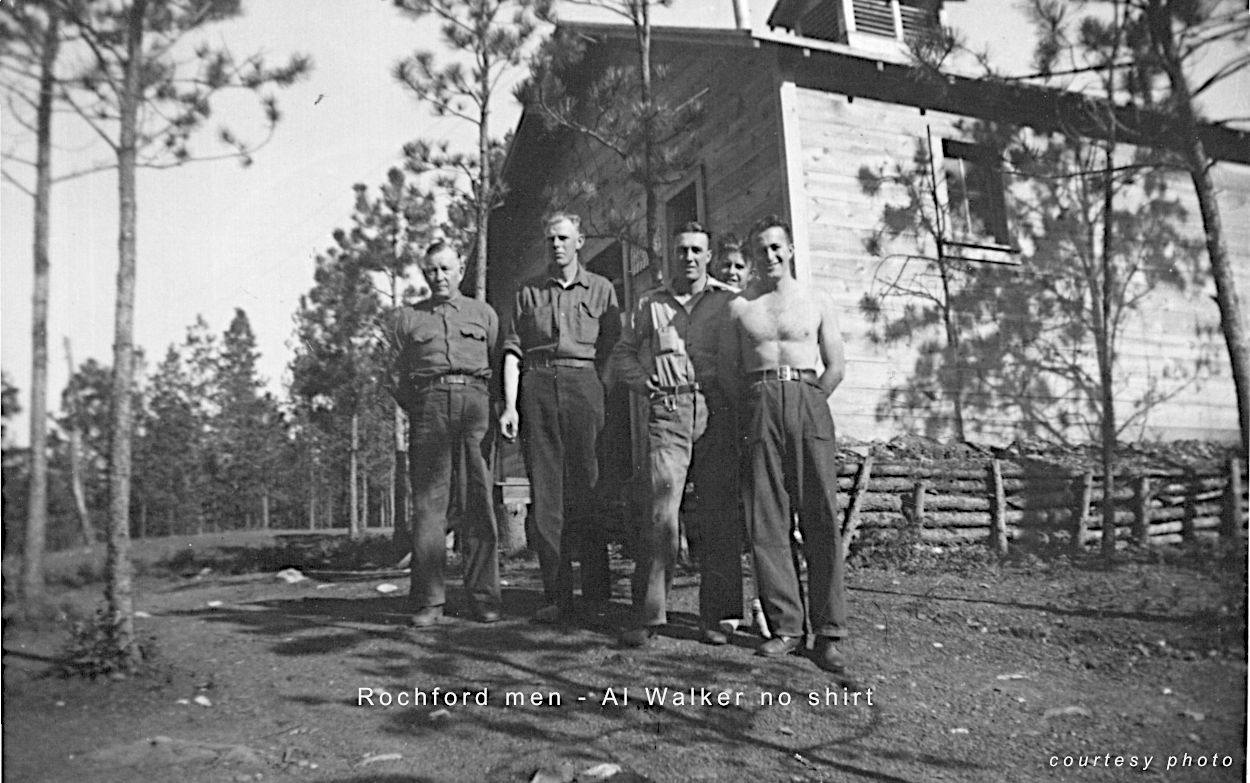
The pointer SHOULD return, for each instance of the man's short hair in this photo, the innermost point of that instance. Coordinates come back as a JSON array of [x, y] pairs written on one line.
[[772, 221], [694, 227], [729, 243], [556, 217], [438, 246]]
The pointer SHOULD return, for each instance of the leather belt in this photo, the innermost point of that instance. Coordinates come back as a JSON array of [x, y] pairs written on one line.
[[545, 360], [673, 391], [783, 373], [449, 379]]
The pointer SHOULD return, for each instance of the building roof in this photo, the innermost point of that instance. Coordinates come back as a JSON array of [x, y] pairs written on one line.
[[836, 67]]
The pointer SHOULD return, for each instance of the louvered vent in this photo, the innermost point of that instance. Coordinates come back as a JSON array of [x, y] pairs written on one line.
[[918, 16], [875, 17]]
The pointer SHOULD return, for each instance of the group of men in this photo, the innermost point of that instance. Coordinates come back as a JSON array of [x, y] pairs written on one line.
[[736, 384]]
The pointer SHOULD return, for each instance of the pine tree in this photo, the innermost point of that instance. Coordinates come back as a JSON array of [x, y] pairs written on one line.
[[492, 34]]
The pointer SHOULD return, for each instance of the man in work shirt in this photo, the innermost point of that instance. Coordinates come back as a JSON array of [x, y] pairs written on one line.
[[564, 322], [669, 356], [777, 334], [444, 346]]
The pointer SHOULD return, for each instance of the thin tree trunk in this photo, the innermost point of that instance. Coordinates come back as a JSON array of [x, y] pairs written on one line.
[[642, 32], [264, 509], [118, 591], [484, 191], [312, 495], [37, 513], [1106, 359], [1232, 316], [364, 501], [353, 513], [75, 457]]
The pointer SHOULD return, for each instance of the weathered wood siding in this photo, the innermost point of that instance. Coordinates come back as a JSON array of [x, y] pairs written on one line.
[[839, 136]]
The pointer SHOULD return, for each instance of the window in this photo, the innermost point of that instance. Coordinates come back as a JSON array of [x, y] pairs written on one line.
[[682, 207], [976, 209]]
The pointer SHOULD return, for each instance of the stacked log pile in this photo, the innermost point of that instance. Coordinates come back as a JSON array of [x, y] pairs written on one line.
[[992, 500]]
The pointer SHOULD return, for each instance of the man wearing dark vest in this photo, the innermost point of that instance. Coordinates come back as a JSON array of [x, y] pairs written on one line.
[[564, 324], [444, 346], [668, 354]]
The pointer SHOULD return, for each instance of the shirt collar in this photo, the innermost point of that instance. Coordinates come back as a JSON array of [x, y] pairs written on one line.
[[579, 279], [710, 284], [454, 300]]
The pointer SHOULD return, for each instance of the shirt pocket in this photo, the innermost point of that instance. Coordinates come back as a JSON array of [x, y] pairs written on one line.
[[667, 340], [585, 323]]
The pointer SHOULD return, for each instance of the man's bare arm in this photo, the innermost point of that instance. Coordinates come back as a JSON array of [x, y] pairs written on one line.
[[509, 421], [729, 355], [831, 352]]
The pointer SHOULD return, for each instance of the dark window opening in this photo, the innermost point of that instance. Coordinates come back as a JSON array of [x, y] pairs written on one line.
[[682, 208], [976, 206]]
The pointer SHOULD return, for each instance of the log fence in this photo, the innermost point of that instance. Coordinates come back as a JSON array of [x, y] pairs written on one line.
[[996, 501]]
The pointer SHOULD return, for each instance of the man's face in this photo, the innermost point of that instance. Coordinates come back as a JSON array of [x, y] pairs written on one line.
[[443, 272], [773, 253], [690, 256], [734, 269], [563, 242]]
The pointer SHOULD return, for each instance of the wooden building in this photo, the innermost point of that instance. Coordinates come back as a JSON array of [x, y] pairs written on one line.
[[793, 114]]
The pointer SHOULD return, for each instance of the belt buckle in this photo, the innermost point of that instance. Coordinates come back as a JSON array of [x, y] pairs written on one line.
[[787, 373]]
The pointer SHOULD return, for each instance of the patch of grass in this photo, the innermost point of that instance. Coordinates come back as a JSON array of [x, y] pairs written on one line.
[[95, 651]]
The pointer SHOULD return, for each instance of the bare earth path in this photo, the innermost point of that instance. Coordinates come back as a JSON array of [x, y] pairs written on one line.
[[991, 674]]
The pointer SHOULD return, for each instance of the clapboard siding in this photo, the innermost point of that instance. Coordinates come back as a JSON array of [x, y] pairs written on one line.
[[838, 137]]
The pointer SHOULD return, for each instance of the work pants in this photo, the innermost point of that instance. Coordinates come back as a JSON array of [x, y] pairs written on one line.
[[562, 413], [690, 437], [792, 465], [448, 424]]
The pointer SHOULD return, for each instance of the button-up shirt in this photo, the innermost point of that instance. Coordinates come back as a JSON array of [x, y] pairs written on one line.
[[670, 343], [442, 336], [581, 321]]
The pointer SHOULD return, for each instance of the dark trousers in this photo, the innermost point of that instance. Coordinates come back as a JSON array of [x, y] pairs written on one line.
[[690, 436], [561, 412], [448, 424], [792, 465]]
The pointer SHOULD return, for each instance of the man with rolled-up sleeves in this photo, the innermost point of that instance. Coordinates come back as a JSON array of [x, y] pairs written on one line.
[[668, 355], [564, 324], [445, 345]]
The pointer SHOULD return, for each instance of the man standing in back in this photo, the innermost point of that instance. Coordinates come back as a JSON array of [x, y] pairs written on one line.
[[777, 334], [564, 324], [668, 355]]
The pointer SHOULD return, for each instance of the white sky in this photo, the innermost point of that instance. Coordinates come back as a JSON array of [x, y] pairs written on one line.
[[215, 236]]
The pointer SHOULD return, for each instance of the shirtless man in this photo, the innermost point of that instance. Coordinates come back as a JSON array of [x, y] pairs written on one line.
[[777, 334]]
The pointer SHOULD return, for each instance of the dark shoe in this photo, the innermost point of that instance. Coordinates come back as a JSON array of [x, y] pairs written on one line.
[[486, 614], [713, 636], [828, 657], [778, 646], [639, 637], [425, 617], [550, 615]]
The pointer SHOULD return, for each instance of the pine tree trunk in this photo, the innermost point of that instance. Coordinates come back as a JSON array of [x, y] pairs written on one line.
[[264, 509], [1106, 356], [485, 190], [399, 481], [118, 591], [353, 514], [364, 501], [75, 459], [1232, 316], [312, 495], [37, 512]]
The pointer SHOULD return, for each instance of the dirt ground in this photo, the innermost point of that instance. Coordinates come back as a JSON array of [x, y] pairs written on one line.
[[964, 673]]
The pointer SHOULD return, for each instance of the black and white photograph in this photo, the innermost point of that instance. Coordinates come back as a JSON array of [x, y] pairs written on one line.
[[556, 391]]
